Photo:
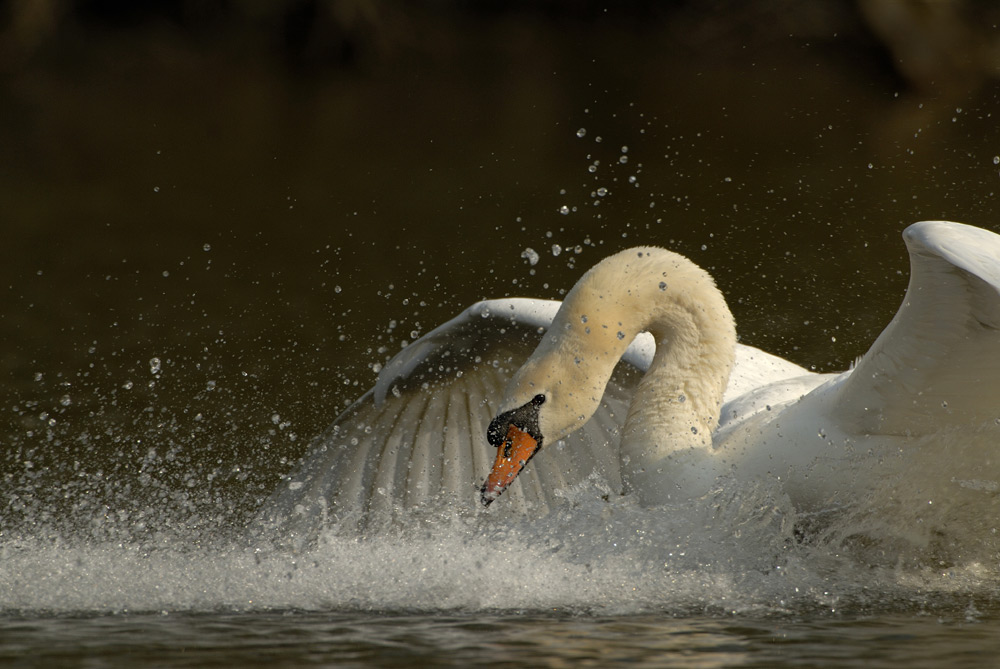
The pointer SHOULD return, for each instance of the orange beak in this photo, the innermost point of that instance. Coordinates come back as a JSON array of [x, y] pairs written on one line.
[[517, 448]]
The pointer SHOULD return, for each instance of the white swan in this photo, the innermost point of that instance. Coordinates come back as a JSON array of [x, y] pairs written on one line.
[[685, 408]]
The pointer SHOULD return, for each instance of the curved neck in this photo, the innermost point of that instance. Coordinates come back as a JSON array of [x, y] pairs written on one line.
[[677, 402], [676, 405]]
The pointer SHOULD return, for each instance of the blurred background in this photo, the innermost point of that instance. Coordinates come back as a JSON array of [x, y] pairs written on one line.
[[219, 218]]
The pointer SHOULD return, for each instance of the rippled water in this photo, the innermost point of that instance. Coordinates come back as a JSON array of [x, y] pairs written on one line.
[[399, 639], [206, 256]]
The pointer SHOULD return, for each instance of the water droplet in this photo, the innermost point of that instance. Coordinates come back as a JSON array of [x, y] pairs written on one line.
[[210, 385], [663, 285], [166, 273], [154, 365], [127, 385], [65, 400], [624, 149], [207, 247], [531, 255], [602, 191], [156, 189], [583, 319], [622, 159], [556, 249], [581, 132], [337, 289], [564, 210], [996, 160], [621, 335]]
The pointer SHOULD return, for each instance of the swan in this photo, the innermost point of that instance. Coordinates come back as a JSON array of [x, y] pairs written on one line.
[[635, 384]]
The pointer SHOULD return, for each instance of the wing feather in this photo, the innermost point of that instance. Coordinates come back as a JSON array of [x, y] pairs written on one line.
[[937, 361], [417, 439]]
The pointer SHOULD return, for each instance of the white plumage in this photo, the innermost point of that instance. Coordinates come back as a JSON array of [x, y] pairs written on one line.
[[709, 412]]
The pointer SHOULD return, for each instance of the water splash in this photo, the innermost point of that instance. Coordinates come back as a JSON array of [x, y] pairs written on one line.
[[742, 551]]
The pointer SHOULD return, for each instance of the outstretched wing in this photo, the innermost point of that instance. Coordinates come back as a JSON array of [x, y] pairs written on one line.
[[417, 441], [938, 361]]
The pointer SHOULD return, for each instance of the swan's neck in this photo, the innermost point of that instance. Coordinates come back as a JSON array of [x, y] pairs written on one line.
[[677, 403]]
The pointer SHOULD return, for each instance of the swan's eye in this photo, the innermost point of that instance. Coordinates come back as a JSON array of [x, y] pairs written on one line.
[[538, 400]]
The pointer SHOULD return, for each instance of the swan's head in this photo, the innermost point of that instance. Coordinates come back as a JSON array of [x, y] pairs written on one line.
[[552, 395], [517, 438]]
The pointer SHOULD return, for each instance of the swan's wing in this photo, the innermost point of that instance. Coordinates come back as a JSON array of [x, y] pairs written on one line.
[[938, 362], [754, 369], [417, 442]]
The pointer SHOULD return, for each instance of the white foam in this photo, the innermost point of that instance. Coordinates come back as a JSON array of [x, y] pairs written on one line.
[[738, 554]]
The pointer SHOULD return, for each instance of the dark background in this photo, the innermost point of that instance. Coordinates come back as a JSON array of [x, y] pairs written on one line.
[[269, 198]]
